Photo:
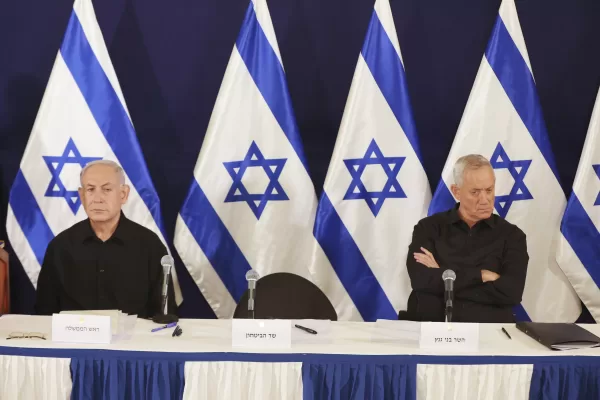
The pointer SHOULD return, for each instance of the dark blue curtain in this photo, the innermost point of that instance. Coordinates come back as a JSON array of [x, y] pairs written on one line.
[[170, 58]]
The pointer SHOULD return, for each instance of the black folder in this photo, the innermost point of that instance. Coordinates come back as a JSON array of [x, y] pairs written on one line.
[[559, 336]]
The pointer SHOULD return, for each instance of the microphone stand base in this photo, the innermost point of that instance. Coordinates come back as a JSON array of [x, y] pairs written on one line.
[[165, 318]]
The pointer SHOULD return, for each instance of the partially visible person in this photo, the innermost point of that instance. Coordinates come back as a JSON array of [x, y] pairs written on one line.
[[106, 261], [4, 281], [487, 253]]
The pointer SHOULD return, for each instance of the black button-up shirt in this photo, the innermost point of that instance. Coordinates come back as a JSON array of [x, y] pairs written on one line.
[[493, 244], [81, 272]]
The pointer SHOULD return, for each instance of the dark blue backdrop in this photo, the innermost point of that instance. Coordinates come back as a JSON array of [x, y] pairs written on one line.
[[170, 57]]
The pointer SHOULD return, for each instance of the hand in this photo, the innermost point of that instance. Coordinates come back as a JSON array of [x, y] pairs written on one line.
[[426, 258], [488, 276]]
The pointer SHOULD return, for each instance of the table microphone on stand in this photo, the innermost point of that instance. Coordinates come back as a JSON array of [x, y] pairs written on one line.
[[251, 276], [448, 277], [164, 317]]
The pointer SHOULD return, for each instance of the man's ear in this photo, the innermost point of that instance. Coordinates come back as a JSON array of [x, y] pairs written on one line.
[[124, 193], [455, 191]]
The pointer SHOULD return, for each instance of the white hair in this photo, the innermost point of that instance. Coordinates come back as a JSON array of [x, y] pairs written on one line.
[[117, 167], [468, 162]]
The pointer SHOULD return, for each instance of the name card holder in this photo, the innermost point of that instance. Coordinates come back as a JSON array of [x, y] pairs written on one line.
[[261, 334], [73, 328], [454, 336]]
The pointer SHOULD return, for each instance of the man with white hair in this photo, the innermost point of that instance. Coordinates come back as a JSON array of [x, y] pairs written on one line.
[[107, 261], [487, 253]]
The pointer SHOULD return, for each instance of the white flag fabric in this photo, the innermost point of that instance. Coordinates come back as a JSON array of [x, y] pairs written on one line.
[[376, 189], [82, 117], [252, 203], [579, 247], [503, 121]]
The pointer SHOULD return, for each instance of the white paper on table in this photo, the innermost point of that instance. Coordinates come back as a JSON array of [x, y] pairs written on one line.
[[121, 324]]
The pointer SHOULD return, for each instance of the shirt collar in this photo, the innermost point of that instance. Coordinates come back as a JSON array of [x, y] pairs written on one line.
[[453, 217], [119, 235]]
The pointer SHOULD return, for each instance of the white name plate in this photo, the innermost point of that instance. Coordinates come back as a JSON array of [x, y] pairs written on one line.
[[261, 333], [73, 328], [454, 336]]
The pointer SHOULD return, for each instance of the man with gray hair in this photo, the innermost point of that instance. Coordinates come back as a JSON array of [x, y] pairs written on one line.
[[487, 253], [104, 262]]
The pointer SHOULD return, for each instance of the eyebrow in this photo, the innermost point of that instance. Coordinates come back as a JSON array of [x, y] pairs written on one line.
[[103, 185]]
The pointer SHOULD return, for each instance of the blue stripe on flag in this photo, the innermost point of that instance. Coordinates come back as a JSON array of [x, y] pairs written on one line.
[[515, 77], [442, 199], [350, 265], [216, 242], [387, 69], [30, 217], [269, 76], [583, 236], [109, 113]]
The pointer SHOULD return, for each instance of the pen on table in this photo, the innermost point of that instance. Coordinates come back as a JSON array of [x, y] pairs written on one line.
[[172, 324], [305, 329], [504, 330]]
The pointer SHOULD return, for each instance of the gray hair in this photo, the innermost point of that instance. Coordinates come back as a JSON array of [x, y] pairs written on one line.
[[468, 162], [117, 167]]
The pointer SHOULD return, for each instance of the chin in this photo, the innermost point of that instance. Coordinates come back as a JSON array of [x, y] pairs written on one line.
[[99, 217]]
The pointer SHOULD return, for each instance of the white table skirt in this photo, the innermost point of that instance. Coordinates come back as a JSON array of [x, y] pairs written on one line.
[[35, 378]]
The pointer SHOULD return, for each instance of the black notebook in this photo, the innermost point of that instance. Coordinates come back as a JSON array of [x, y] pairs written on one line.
[[559, 336]]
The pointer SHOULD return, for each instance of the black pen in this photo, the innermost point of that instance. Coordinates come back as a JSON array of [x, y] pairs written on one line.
[[177, 332], [504, 330], [305, 329]]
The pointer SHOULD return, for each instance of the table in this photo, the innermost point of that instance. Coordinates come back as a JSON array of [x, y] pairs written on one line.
[[347, 360]]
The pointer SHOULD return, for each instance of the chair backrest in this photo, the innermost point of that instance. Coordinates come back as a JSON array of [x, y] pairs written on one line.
[[283, 295]]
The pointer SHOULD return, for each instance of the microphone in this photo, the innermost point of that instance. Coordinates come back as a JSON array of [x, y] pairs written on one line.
[[251, 276], [167, 263], [448, 277]]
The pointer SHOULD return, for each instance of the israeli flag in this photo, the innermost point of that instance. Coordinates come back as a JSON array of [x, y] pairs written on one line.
[[376, 189], [82, 118], [579, 246], [252, 203], [503, 121]]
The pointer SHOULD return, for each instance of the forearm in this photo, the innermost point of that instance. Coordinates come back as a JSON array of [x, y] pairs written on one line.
[[501, 292]]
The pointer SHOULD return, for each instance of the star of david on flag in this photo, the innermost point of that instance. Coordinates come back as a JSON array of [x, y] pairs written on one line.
[[55, 164], [272, 167], [597, 169], [390, 165], [518, 170]]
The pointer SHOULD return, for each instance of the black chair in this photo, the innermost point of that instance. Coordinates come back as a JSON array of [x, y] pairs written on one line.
[[404, 316], [283, 295]]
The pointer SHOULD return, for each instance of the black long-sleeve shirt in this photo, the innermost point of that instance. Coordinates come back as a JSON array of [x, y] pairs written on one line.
[[81, 272], [492, 244]]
